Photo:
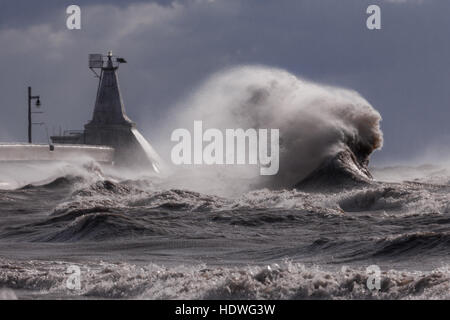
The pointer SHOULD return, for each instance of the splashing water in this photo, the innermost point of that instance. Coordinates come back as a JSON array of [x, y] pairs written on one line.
[[315, 121]]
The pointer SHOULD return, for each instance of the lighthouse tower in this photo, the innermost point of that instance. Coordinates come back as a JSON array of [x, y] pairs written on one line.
[[110, 126], [109, 109]]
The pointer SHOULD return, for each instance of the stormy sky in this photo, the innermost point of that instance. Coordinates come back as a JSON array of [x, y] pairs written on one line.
[[403, 70]]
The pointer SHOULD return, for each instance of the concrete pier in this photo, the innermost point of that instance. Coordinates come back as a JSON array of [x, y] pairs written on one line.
[[42, 152]]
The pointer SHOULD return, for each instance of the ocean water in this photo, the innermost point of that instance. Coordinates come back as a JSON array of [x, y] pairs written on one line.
[[141, 239]]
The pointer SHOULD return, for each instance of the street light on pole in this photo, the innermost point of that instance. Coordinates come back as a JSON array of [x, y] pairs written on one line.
[[30, 123]]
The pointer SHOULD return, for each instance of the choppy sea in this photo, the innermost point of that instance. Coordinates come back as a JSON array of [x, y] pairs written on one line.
[[138, 239]]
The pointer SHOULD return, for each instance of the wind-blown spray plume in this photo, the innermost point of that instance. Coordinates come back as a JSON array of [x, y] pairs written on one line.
[[317, 123]]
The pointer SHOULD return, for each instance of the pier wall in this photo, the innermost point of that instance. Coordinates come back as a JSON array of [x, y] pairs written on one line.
[[42, 152]]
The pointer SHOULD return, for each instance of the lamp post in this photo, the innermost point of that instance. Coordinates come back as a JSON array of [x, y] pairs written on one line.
[[30, 123]]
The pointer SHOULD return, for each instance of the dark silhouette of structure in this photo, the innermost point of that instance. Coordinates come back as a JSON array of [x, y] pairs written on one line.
[[110, 125], [30, 121]]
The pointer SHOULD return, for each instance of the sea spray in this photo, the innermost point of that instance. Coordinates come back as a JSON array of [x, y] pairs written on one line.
[[315, 121]]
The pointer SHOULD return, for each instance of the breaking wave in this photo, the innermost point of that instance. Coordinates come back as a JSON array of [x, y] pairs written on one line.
[[27, 175], [316, 122], [413, 244]]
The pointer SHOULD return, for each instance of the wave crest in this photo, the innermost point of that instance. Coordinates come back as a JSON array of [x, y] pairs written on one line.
[[315, 121]]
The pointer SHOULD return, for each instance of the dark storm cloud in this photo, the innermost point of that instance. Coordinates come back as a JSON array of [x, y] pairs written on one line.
[[403, 69], [21, 13]]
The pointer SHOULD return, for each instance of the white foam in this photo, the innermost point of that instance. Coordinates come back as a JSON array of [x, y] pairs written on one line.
[[283, 280], [315, 121]]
